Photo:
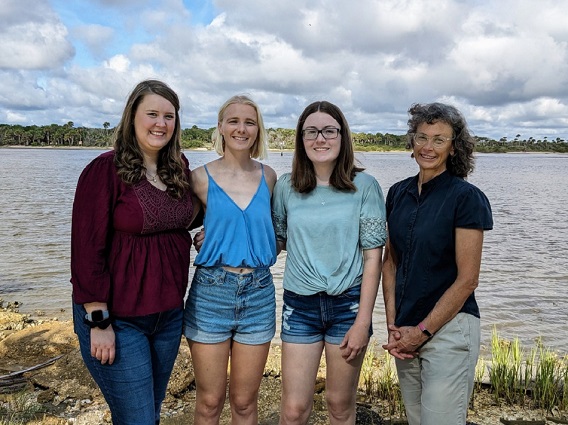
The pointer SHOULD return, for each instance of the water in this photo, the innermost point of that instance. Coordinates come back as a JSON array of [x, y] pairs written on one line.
[[522, 290]]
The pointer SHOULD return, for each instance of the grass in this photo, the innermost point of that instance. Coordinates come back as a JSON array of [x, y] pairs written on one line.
[[19, 408], [535, 378]]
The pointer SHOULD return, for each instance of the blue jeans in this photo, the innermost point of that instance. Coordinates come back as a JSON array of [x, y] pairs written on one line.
[[134, 386], [307, 319], [437, 385]]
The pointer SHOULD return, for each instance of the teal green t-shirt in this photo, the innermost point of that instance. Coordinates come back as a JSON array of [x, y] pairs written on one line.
[[326, 232]]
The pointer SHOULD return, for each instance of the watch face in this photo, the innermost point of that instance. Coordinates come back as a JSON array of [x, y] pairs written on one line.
[[97, 316]]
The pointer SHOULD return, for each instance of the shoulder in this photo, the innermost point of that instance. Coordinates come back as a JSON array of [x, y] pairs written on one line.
[[103, 162], [463, 187], [284, 179], [269, 175], [468, 195], [198, 176], [362, 179], [401, 184], [105, 158]]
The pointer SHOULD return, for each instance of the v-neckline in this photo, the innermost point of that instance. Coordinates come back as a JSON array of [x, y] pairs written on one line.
[[228, 196]]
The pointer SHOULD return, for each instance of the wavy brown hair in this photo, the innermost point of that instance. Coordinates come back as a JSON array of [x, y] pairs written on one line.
[[303, 173], [128, 156], [462, 162]]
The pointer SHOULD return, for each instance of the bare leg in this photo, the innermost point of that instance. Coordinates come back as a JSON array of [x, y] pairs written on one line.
[[247, 368], [210, 366], [341, 385], [300, 363]]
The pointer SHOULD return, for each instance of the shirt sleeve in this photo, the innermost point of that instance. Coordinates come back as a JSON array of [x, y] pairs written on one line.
[[91, 231], [279, 206], [372, 229], [474, 210]]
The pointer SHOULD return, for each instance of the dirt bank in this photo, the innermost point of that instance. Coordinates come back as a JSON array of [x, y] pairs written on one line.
[[66, 393]]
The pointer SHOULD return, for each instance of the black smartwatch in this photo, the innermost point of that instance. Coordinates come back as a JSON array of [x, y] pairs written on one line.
[[98, 319]]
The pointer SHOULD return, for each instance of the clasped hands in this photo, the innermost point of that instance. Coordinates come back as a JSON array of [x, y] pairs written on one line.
[[404, 341]]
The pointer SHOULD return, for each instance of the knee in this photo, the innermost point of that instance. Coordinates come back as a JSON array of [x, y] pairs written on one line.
[[243, 405], [295, 413], [340, 408], [209, 405]]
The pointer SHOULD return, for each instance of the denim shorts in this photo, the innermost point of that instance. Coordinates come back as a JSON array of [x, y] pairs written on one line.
[[222, 305], [307, 319]]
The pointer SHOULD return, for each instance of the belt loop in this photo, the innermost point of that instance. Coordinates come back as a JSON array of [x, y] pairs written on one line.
[[222, 275]]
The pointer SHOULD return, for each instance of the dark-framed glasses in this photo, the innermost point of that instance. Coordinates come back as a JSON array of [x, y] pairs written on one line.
[[437, 141], [311, 133]]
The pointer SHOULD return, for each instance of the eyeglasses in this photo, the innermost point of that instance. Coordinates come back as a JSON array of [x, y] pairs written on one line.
[[437, 141], [311, 133]]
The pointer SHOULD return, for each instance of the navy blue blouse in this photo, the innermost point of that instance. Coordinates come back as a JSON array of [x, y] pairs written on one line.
[[422, 235]]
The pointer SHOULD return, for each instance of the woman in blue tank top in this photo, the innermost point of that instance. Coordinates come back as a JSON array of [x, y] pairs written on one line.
[[231, 310]]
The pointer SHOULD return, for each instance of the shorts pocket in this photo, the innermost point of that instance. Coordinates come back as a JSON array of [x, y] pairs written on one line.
[[263, 279]]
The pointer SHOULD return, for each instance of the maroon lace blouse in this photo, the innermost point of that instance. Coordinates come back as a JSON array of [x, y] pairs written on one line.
[[130, 244]]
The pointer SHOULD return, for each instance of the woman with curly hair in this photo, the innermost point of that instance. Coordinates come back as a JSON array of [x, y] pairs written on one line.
[[432, 259], [130, 256]]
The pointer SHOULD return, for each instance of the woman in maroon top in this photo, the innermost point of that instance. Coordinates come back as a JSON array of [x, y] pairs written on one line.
[[130, 256]]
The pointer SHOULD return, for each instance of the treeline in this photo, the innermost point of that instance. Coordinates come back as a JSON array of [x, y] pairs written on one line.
[[278, 138]]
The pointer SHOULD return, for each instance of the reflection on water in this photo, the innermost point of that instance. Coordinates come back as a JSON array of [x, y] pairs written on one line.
[[524, 271]]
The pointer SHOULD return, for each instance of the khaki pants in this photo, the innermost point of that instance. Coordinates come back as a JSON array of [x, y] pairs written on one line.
[[437, 385]]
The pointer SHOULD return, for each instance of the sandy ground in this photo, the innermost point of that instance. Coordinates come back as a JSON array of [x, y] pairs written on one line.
[[67, 394]]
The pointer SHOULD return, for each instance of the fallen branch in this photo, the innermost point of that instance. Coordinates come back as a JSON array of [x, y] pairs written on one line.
[[17, 377]]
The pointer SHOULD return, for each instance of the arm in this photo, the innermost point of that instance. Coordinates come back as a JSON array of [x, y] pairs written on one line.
[[91, 224], [357, 338], [389, 295], [270, 177], [469, 243], [199, 184]]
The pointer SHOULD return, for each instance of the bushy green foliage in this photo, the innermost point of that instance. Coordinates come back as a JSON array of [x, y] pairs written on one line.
[[278, 138]]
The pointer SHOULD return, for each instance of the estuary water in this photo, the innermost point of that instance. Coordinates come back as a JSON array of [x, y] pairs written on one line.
[[524, 274]]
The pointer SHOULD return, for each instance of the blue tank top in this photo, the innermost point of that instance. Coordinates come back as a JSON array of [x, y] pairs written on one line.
[[235, 237]]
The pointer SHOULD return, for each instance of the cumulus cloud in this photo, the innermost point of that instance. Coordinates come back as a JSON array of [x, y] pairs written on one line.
[[503, 63], [32, 36]]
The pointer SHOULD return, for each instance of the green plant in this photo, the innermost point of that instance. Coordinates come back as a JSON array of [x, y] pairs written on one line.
[[546, 385], [19, 408]]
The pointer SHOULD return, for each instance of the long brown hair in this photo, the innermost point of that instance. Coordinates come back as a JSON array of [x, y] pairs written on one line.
[[303, 173], [128, 156]]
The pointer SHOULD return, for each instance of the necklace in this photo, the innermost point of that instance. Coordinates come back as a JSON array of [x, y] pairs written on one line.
[[151, 177], [319, 196]]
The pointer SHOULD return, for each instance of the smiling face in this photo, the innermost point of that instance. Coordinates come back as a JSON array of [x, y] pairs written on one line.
[[154, 123], [320, 150], [431, 159], [239, 127]]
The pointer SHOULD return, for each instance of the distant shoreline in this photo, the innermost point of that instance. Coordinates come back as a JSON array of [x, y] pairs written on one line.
[[270, 150]]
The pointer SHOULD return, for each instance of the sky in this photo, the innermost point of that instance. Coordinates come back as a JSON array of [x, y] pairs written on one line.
[[503, 64]]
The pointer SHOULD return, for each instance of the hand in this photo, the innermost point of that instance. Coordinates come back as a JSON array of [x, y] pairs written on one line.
[[103, 344], [355, 342], [198, 239], [403, 342]]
